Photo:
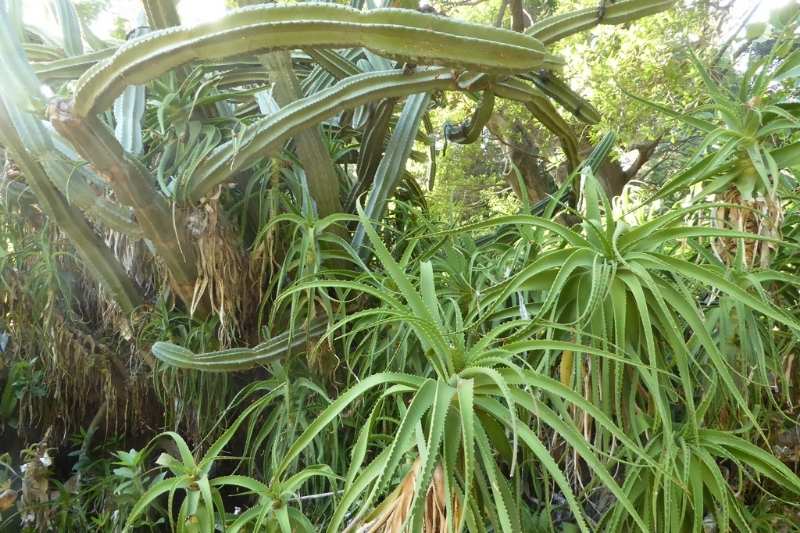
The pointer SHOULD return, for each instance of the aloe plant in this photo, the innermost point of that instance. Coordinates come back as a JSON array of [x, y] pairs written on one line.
[[747, 146]]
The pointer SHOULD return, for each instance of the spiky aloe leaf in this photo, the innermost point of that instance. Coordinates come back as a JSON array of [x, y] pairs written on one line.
[[555, 28], [545, 113], [238, 359], [540, 107], [396, 33], [468, 132]]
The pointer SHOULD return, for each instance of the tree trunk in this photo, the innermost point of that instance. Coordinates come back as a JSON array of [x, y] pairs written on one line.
[[522, 150], [611, 174], [518, 21]]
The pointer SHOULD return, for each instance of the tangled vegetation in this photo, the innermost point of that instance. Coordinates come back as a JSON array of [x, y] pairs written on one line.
[[379, 268]]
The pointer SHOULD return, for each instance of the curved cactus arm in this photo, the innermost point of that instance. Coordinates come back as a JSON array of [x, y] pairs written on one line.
[[238, 359], [468, 132], [133, 186], [265, 137], [396, 33], [70, 68], [553, 29], [565, 96]]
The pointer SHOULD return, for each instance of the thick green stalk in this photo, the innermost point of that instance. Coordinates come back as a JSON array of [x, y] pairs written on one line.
[[402, 34], [133, 186]]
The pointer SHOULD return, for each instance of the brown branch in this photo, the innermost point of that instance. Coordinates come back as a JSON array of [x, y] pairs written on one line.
[[517, 16]]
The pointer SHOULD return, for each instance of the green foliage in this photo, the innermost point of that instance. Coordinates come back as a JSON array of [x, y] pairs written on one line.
[[470, 185], [446, 360]]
